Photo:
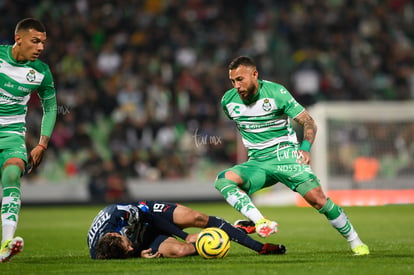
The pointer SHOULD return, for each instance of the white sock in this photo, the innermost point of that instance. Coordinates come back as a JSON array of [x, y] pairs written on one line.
[[9, 219], [252, 213], [8, 230], [343, 225]]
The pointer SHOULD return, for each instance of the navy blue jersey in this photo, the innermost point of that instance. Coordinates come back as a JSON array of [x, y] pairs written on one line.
[[141, 222]]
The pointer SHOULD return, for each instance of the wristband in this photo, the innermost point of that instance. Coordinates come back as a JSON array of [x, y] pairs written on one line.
[[42, 146], [305, 146]]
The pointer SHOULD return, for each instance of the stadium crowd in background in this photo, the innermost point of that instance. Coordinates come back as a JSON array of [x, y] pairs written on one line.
[[139, 82]]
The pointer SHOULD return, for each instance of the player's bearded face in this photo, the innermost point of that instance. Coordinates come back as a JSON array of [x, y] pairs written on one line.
[[244, 79]]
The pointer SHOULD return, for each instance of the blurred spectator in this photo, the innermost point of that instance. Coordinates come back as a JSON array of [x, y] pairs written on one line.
[[130, 101], [107, 184], [130, 73], [109, 60]]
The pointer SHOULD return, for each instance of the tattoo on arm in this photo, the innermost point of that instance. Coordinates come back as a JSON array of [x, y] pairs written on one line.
[[309, 126]]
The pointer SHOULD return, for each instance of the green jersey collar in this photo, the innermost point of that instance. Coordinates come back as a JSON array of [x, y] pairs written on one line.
[[14, 61]]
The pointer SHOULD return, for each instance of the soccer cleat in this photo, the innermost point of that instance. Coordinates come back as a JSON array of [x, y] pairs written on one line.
[[10, 248], [269, 248], [265, 227], [361, 250], [246, 226]]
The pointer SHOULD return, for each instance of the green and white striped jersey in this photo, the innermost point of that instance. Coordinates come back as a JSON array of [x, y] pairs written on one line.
[[264, 121], [17, 81]]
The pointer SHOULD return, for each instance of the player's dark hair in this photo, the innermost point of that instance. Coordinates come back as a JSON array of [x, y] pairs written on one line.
[[111, 247], [241, 60], [30, 23]]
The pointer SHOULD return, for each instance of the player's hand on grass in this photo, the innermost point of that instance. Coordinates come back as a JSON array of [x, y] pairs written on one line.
[[191, 238], [147, 253]]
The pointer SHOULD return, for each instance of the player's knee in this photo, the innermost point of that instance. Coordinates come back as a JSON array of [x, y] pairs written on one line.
[[226, 178], [231, 175], [14, 162], [223, 183], [200, 219]]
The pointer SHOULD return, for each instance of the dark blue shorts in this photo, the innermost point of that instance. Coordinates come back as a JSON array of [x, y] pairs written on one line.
[[154, 237]]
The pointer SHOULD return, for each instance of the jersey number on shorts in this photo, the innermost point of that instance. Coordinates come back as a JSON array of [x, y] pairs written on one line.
[[158, 207]]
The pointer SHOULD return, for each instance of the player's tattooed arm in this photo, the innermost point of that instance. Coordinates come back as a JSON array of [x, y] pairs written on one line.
[[309, 126]]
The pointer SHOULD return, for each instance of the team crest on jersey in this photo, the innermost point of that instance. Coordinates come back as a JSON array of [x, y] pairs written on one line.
[[31, 76], [266, 105]]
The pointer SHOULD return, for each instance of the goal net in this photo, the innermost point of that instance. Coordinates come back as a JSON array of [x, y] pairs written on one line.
[[364, 151], [363, 154]]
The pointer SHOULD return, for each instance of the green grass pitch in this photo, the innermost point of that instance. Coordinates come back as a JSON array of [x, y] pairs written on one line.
[[55, 243]]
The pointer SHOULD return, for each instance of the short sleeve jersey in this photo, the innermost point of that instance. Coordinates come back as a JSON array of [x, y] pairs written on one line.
[[264, 121], [18, 80]]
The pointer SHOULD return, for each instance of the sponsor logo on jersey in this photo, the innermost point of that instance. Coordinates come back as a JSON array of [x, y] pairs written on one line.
[[31, 76], [236, 109], [11, 98], [258, 125]]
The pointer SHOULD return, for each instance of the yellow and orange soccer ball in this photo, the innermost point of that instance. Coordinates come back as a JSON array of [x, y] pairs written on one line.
[[213, 243]]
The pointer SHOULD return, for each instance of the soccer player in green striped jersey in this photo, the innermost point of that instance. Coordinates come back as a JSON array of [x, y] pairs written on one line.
[[262, 111], [21, 74]]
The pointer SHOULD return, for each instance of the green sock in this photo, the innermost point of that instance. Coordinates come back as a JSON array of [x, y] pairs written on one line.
[[331, 210], [11, 202], [339, 220], [238, 199]]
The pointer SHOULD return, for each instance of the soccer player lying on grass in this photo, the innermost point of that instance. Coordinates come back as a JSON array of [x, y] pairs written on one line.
[[148, 229]]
